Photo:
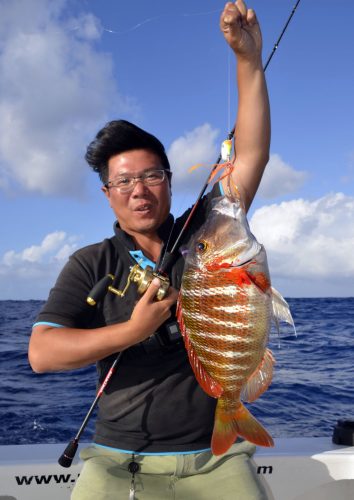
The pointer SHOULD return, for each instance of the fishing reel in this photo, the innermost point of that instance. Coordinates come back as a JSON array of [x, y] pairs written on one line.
[[141, 277]]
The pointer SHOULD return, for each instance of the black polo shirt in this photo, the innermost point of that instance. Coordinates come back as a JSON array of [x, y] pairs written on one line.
[[153, 402]]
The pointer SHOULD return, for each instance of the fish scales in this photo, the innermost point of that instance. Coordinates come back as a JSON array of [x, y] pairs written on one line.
[[224, 311], [214, 347]]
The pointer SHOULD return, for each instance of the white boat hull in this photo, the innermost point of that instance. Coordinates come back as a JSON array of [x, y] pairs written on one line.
[[295, 469]]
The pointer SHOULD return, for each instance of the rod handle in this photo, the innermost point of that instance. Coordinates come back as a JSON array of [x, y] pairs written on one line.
[[69, 453]]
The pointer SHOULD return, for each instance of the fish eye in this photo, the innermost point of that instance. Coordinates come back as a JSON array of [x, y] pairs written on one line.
[[202, 246]]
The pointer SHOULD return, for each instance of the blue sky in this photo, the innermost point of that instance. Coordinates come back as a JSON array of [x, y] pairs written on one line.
[[67, 67]]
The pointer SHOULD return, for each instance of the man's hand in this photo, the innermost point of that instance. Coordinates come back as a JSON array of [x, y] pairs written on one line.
[[241, 30], [150, 313]]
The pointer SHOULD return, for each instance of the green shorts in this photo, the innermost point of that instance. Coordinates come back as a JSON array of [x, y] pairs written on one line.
[[197, 476]]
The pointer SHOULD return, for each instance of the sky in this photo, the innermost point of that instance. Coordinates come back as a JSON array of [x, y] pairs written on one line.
[[67, 67]]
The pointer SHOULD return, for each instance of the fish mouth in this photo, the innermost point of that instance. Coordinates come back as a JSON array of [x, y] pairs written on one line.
[[236, 263], [250, 253], [228, 261]]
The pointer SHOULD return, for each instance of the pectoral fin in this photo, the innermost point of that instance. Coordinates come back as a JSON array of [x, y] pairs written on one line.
[[281, 310], [260, 379]]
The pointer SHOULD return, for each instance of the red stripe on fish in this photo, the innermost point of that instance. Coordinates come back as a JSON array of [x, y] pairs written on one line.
[[210, 386]]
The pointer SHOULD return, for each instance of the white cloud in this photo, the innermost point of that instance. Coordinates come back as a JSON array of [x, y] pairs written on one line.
[[280, 178], [309, 244], [55, 90], [29, 273], [87, 26], [194, 147], [64, 252], [36, 253]]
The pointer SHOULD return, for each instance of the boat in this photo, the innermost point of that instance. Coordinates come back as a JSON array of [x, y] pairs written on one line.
[[295, 469]]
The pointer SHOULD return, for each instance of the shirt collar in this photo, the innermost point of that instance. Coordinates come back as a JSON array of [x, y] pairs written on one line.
[[163, 231]]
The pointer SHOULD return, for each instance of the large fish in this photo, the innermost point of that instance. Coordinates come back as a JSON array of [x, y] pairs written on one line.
[[225, 309]]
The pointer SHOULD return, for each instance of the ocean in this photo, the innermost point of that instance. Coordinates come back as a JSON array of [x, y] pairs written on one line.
[[312, 387]]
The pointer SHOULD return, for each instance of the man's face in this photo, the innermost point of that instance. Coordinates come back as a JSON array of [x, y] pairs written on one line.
[[145, 208]]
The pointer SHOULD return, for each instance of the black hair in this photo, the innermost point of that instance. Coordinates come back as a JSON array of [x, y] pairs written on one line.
[[117, 137]]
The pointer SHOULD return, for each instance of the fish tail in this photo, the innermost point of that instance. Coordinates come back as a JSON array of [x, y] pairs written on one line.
[[228, 426]]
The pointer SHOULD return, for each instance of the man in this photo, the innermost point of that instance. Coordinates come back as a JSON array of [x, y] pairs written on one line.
[[153, 414]]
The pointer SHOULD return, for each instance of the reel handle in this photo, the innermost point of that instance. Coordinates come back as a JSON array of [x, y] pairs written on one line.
[[100, 289]]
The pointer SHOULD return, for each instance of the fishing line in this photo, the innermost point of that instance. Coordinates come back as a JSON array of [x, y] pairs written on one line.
[[229, 89], [133, 28], [150, 19], [230, 136], [147, 21]]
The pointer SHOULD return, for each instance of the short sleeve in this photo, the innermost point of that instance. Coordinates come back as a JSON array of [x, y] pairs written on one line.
[[66, 304]]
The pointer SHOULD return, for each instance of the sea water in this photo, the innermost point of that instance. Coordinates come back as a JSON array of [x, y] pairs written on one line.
[[313, 384]]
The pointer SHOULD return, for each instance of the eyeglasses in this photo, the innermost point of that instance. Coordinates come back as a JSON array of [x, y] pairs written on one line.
[[126, 183]]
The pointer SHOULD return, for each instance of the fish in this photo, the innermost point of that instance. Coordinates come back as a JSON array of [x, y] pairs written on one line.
[[225, 309]]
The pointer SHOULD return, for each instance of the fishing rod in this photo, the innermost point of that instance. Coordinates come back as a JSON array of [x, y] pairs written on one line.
[[229, 137], [281, 35], [143, 279], [65, 460]]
